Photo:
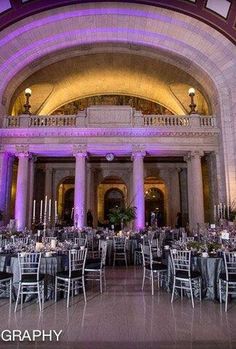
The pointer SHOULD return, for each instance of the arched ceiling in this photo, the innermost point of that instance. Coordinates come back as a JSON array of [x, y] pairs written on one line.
[[109, 73], [220, 14]]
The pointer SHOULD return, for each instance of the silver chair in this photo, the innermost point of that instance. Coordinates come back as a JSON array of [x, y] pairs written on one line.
[[151, 270], [22, 241], [81, 241], [228, 277], [72, 279], [183, 274], [6, 284], [31, 281], [95, 268], [119, 245]]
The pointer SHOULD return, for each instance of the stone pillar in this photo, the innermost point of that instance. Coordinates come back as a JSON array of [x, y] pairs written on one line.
[[48, 182], [80, 188], [3, 183], [195, 189], [31, 189], [138, 189], [174, 195], [10, 163], [21, 190]]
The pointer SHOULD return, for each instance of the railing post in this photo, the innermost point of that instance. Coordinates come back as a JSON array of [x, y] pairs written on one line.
[[138, 118], [194, 121], [24, 121]]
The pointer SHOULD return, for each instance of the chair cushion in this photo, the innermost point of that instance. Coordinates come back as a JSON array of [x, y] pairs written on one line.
[[232, 277], [4, 275], [93, 266], [74, 274], [31, 277], [184, 274], [157, 266], [92, 260]]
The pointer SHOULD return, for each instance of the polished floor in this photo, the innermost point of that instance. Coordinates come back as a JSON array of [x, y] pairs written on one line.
[[127, 318]]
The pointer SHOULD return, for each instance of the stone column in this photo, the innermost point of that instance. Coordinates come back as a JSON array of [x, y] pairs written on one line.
[[195, 189], [190, 191], [48, 182], [138, 189], [174, 195], [31, 189], [3, 183], [10, 163], [80, 187], [21, 190]]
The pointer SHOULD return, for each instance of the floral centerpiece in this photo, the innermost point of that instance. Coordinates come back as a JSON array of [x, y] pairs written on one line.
[[120, 216]]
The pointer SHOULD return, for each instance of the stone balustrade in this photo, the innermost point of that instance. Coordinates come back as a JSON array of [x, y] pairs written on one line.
[[110, 116]]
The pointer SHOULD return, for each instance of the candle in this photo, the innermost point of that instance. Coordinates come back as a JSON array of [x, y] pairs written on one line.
[[214, 212], [228, 209], [45, 205], [39, 246], [55, 208], [49, 209], [224, 211], [72, 213], [34, 210], [53, 244], [41, 211]]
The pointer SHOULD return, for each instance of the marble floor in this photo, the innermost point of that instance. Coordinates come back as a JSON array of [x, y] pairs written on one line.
[[127, 318]]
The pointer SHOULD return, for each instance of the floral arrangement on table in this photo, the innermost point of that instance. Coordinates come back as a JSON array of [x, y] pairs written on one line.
[[121, 216], [7, 234], [200, 246]]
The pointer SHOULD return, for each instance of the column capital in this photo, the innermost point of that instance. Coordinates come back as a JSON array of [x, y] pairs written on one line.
[[138, 151], [80, 150], [22, 151], [193, 155]]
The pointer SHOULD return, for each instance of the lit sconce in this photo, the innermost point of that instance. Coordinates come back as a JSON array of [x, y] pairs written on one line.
[[192, 105], [27, 106]]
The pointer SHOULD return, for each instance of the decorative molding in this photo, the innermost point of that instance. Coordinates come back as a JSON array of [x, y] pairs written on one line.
[[107, 132]]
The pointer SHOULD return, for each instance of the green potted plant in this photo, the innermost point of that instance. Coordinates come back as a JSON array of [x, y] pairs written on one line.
[[121, 216], [232, 212]]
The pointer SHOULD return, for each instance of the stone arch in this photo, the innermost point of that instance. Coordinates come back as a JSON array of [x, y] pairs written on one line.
[[109, 183], [177, 35], [66, 184], [156, 183]]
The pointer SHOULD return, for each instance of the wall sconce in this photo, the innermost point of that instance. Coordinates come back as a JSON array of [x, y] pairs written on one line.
[[27, 106], [192, 105]]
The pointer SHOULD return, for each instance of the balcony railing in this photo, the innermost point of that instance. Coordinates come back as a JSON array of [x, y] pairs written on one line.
[[110, 117]]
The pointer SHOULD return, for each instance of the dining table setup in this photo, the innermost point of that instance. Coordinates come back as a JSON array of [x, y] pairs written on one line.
[[207, 246]]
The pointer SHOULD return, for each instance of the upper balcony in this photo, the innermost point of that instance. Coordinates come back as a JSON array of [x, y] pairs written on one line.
[[109, 116]]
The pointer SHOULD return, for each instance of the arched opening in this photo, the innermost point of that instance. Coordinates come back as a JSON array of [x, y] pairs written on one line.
[[65, 196], [113, 198], [155, 201], [112, 191], [154, 207]]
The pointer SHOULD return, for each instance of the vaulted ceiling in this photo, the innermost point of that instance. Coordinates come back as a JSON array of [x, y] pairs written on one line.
[[109, 73]]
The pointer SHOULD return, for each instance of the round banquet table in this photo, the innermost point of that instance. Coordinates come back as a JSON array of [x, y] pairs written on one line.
[[210, 268], [49, 267]]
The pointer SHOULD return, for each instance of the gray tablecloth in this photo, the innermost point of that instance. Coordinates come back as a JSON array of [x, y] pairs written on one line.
[[210, 268]]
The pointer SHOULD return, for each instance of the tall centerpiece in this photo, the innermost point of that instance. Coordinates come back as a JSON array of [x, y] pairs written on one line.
[[121, 216]]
